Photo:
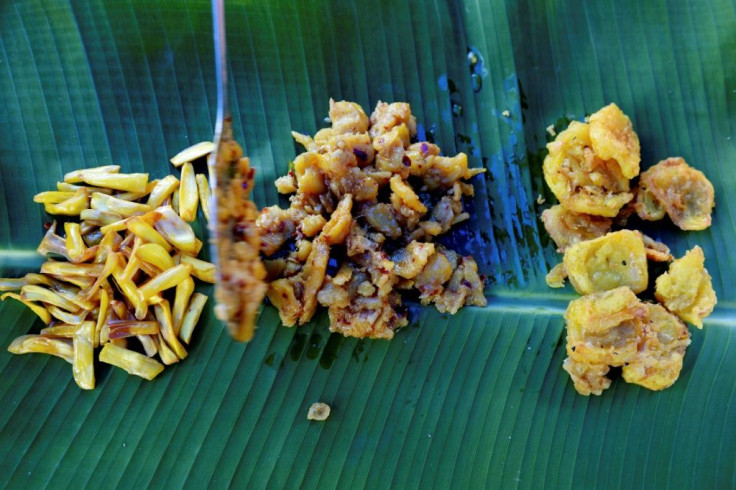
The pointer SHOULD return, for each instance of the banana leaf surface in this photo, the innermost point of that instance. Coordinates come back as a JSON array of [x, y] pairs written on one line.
[[478, 399]]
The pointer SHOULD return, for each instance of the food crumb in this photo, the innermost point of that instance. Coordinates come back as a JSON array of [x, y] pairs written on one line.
[[551, 130], [506, 113], [318, 411], [540, 199]]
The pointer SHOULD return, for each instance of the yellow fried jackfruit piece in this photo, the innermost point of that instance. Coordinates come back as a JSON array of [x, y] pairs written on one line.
[[661, 351], [656, 250], [556, 276], [604, 328], [567, 227], [587, 378], [686, 289], [615, 259], [683, 192], [613, 137], [582, 181], [646, 204]]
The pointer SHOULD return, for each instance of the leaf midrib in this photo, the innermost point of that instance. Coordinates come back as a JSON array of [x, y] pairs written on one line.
[[522, 302]]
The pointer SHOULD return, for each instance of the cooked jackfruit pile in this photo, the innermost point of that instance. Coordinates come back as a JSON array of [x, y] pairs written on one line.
[[368, 198]]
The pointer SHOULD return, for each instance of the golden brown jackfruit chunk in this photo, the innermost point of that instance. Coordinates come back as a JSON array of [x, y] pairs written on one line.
[[674, 187], [581, 180], [616, 259], [686, 289]]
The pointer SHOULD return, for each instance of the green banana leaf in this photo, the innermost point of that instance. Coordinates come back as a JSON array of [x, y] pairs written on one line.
[[478, 399]]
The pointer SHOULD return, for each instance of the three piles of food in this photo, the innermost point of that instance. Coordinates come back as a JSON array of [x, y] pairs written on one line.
[[589, 169], [368, 204]]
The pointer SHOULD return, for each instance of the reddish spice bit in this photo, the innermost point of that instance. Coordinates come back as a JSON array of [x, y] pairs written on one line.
[[251, 173], [46, 225], [406, 161]]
